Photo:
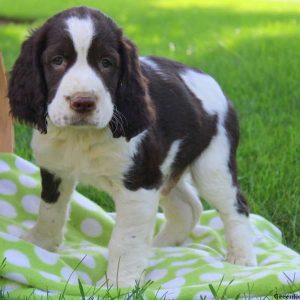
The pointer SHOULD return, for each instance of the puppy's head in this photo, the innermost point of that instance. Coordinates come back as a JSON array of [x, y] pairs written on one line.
[[79, 70]]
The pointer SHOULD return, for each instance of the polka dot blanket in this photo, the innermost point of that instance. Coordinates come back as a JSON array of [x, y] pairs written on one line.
[[183, 272]]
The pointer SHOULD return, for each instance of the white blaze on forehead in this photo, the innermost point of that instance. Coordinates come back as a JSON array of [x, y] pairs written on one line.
[[81, 78], [81, 32], [207, 90]]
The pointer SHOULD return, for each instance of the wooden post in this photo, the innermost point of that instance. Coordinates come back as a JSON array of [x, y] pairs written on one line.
[[6, 124]]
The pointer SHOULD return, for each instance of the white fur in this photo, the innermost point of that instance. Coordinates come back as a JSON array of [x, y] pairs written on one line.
[[207, 90], [149, 62], [136, 141], [91, 156], [182, 209], [81, 78], [170, 158], [211, 173], [154, 66], [214, 182], [48, 232], [131, 239]]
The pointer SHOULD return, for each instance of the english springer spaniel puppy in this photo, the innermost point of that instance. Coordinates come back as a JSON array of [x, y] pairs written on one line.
[[143, 129]]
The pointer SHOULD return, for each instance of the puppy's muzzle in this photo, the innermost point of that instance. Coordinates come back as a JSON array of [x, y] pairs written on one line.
[[82, 103]]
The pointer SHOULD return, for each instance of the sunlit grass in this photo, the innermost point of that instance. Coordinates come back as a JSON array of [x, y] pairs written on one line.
[[235, 5]]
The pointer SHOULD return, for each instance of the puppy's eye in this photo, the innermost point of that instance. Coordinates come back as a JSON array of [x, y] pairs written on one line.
[[106, 63], [58, 61]]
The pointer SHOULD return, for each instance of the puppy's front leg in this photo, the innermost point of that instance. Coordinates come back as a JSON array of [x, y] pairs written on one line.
[[48, 232], [131, 240]]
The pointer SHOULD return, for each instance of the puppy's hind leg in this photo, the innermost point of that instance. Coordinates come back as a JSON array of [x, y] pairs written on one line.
[[218, 185], [182, 209], [48, 232]]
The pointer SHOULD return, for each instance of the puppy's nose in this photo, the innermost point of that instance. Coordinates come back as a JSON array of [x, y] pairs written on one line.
[[82, 102]]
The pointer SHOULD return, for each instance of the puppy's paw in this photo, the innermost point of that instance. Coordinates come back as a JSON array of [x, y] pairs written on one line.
[[47, 242], [168, 238], [242, 258]]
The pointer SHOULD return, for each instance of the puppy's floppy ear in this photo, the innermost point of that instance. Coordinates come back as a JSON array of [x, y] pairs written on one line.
[[133, 106], [27, 88]]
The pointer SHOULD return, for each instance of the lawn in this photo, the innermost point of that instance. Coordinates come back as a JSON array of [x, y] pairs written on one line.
[[251, 47]]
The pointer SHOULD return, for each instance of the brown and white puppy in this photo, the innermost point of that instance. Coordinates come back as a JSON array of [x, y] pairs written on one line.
[[135, 127]]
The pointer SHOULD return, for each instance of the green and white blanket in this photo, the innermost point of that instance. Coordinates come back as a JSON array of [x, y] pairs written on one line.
[[183, 272]]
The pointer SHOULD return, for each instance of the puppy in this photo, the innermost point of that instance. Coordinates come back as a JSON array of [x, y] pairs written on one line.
[[133, 126]]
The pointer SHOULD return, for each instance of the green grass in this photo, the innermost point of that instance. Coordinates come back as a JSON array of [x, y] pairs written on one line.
[[251, 47]]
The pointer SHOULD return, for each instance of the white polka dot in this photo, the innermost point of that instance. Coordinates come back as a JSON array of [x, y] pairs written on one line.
[[87, 260], [279, 265], [4, 167], [267, 233], [50, 276], [234, 282], [16, 277], [69, 275], [199, 230], [243, 274], [15, 230], [84, 277], [10, 288], [277, 230], [28, 223], [91, 227], [185, 262], [84, 202], [211, 277], [259, 250], [7, 210], [286, 250], [8, 237], [187, 242], [45, 293], [7, 187], [174, 283], [31, 204], [167, 294], [204, 295], [217, 265], [25, 166], [259, 275], [27, 181], [270, 259], [296, 260], [289, 277], [216, 223], [155, 262], [17, 258], [156, 274], [45, 256], [214, 262], [176, 254], [207, 240], [184, 271], [201, 252]]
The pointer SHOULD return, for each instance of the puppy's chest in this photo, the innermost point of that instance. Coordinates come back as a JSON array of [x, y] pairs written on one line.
[[89, 158]]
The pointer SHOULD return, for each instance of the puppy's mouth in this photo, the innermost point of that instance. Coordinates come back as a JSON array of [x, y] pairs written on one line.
[[80, 121]]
